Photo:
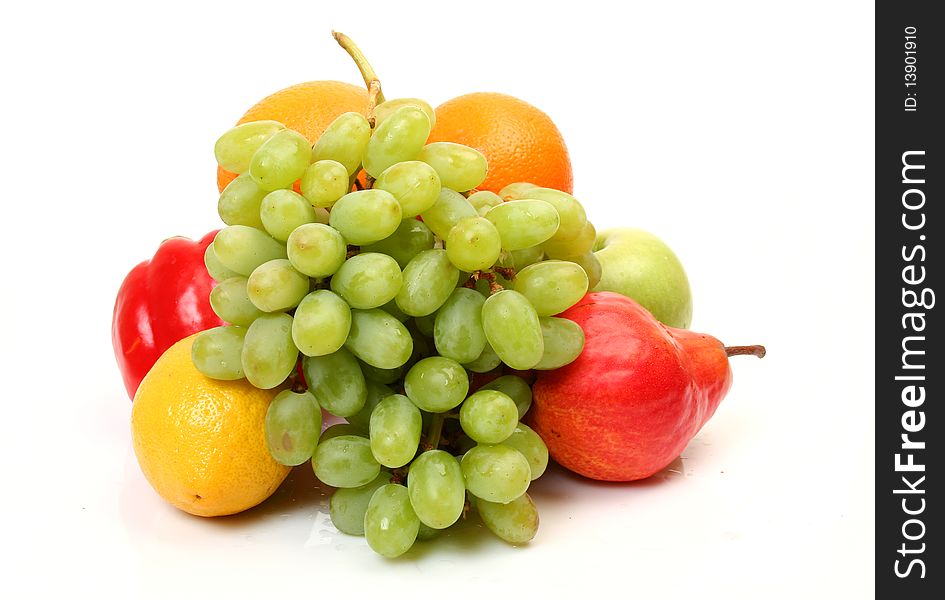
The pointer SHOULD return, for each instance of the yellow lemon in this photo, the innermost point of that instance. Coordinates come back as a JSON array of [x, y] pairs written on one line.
[[201, 442]]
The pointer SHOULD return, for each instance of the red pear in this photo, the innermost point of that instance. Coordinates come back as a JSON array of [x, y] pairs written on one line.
[[640, 390]]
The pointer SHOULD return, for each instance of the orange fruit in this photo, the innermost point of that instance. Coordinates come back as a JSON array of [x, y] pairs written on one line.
[[305, 107], [201, 442], [520, 142]]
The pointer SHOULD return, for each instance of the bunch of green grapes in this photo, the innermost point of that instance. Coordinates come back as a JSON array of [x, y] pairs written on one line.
[[392, 315]]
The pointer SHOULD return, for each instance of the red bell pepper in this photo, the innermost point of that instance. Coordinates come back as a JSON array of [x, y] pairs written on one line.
[[161, 301]]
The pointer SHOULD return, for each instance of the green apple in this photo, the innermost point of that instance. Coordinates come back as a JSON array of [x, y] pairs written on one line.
[[641, 266]]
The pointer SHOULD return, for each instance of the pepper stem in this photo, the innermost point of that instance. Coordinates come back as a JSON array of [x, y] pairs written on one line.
[[373, 83], [756, 350]]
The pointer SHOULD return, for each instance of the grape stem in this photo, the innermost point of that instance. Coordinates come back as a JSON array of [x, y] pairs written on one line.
[[507, 272], [398, 475], [295, 382], [436, 429], [494, 286], [755, 350], [375, 95]]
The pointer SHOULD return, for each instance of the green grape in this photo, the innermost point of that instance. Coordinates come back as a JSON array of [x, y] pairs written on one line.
[[496, 473], [485, 362], [284, 210], [570, 212], [389, 107], [519, 259], [338, 429], [385, 376], [268, 355], [422, 347], [230, 301], [367, 280], [324, 183], [379, 339], [429, 279], [516, 191], [488, 416], [426, 533], [395, 431], [426, 324], [473, 244], [484, 200], [344, 141], [215, 268], [414, 184], [515, 388], [436, 384], [321, 215], [463, 444], [533, 448], [280, 160], [235, 148], [216, 352], [336, 381], [321, 325], [591, 266], [375, 393], [241, 248], [484, 286], [515, 522], [393, 310], [316, 250], [348, 505], [576, 246], [398, 138], [275, 286], [564, 341], [513, 330], [240, 202], [345, 461], [410, 238], [552, 286], [460, 167], [436, 489], [293, 423], [449, 208], [524, 223], [390, 524], [457, 330], [365, 217]]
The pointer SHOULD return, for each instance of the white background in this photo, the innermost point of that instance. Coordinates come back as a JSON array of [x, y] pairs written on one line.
[[740, 132]]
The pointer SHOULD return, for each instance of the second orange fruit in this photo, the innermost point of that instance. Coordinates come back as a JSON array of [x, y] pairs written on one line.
[[520, 141], [305, 107]]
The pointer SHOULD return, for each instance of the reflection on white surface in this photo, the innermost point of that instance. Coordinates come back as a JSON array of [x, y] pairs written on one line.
[[322, 530], [297, 516]]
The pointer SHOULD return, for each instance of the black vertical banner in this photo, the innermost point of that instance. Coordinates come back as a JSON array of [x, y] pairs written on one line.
[[910, 369]]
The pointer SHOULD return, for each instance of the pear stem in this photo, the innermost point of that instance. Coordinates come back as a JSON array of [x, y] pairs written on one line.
[[756, 350], [373, 83]]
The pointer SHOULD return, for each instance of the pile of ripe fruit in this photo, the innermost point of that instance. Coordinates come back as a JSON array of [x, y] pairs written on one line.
[[369, 273]]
